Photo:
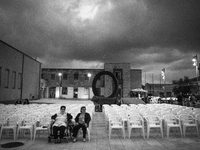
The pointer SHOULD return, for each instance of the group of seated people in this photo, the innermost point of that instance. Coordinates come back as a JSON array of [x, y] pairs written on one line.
[[18, 101], [62, 119]]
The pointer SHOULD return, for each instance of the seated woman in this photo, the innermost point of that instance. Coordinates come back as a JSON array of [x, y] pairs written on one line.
[[61, 120], [18, 101], [82, 120]]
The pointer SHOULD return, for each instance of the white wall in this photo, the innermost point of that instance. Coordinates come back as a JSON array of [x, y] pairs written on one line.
[[70, 93]]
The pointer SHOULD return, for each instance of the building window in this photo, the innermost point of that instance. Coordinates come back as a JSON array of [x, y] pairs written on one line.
[[86, 77], [13, 79], [7, 74], [64, 90], [53, 76], [64, 76], [42, 76], [76, 76], [19, 80]]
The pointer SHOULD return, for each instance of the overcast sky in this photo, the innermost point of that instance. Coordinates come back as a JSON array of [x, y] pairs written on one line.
[[148, 34]]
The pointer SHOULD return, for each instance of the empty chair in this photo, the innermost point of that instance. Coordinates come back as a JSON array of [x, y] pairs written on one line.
[[171, 121], [43, 125], [153, 121], [10, 123], [135, 122], [27, 124], [188, 121], [116, 123]]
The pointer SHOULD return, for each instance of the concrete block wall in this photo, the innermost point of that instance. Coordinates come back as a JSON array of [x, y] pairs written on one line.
[[126, 77]]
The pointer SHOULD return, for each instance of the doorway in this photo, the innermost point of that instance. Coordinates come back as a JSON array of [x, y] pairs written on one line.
[[118, 74], [52, 91], [75, 92]]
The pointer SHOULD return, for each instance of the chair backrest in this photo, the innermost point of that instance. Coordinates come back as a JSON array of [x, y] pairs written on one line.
[[136, 120], [186, 118], [29, 121], [171, 119], [44, 121], [152, 119], [13, 120]]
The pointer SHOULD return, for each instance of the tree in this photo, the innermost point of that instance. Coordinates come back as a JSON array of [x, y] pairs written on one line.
[[182, 85]]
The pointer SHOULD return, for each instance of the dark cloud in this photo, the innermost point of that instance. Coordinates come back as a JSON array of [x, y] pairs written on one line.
[[149, 34]]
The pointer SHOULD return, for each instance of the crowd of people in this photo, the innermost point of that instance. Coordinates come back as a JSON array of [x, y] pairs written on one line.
[[62, 119], [188, 99]]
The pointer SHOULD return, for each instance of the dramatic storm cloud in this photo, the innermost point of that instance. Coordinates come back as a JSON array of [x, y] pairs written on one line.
[[148, 34]]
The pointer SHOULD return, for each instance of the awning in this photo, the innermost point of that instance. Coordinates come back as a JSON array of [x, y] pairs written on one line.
[[139, 90]]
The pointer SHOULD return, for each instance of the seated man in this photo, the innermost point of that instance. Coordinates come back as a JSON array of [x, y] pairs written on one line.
[[61, 120], [26, 102], [82, 120]]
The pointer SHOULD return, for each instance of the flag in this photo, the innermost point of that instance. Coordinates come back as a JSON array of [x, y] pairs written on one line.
[[163, 73]]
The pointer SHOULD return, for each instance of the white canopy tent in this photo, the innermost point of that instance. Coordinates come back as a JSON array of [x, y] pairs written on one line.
[[139, 90], [141, 93]]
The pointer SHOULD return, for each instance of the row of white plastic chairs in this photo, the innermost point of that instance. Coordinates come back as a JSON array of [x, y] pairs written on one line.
[[34, 117], [151, 116]]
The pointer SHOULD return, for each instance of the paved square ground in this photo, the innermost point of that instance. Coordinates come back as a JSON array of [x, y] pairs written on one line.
[[100, 140]]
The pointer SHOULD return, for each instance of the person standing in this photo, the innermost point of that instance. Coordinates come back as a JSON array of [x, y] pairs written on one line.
[[82, 120], [180, 98]]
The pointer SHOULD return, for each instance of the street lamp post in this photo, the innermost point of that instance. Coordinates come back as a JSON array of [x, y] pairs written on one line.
[[60, 82], [195, 63], [89, 76]]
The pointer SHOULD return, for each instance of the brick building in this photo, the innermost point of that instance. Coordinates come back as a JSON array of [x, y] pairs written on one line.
[[75, 83]]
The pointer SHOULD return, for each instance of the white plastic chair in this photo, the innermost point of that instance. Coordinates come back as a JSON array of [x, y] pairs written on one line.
[[171, 121], [27, 124], [188, 121], [43, 125], [10, 123], [153, 121], [135, 122], [116, 123]]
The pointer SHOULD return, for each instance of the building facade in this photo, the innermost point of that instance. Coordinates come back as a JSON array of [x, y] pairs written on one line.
[[162, 90], [77, 83], [19, 74]]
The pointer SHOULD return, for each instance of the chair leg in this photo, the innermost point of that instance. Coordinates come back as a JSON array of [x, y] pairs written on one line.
[[184, 130], [161, 130], [1, 132], [88, 131], [31, 134], [18, 130], [197, 131], [129, 132], [168, 131], [148, 132], [34, 134], [143, 132], [109, 135], [14, 134], [123, 131], [181, 131]]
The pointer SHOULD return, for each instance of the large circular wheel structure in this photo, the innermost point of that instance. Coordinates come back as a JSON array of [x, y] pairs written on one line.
[[94, 89]]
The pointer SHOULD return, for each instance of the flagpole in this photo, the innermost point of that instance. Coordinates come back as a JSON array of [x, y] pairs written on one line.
[[160, 83], [163, 75], [164, 89]]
